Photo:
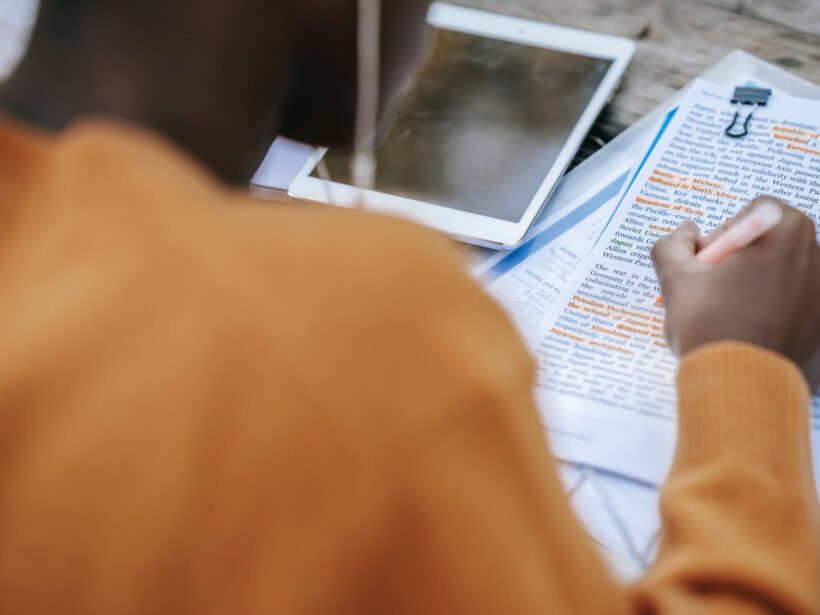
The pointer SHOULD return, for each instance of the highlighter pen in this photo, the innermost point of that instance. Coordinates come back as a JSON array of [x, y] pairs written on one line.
[[743, 233]]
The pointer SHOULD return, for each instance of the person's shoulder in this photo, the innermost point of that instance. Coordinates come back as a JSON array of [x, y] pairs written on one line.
[[379, 315], [391, 325]]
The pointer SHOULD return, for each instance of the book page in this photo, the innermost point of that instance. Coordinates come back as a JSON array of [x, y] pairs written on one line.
[[606, 383]]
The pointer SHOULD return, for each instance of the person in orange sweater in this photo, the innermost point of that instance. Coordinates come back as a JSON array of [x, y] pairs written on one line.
[[211, 405]]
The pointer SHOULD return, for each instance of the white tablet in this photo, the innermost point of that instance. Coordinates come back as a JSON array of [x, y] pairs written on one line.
[[491, 123]]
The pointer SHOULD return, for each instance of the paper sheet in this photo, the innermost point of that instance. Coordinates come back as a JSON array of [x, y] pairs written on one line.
[[527, 280], [622, 517], [607, 383], [619, 515], [281, 164]]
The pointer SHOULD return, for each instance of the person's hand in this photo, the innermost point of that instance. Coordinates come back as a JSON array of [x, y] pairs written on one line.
[[767, 294]]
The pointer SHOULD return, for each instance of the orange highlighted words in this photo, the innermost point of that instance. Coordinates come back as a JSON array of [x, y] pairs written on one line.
[[806, 150], [642, 200]]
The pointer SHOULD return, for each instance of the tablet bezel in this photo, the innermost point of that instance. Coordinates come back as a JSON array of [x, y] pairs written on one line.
[[466, 226]]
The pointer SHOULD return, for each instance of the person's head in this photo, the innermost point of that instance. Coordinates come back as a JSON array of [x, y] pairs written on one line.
[[222, 77]]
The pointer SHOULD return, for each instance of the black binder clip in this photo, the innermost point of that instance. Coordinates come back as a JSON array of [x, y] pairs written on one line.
[[746, 96]]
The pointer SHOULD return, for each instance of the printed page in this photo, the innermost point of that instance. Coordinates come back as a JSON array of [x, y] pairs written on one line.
[[527, 280], [618, 514], [606, 383]]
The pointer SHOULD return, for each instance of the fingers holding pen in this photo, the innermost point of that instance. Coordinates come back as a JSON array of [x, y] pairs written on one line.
[[755, 280], [678, 249]]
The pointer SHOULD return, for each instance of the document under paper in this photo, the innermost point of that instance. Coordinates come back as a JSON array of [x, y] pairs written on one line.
[[619, 515], [606, 383], [527, 280]]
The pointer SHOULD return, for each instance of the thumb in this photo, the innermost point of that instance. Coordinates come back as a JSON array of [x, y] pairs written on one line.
[[677, 250]]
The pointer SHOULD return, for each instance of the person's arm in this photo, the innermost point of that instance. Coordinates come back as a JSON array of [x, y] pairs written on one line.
[[739, 510], [481, 523], [741, 502]]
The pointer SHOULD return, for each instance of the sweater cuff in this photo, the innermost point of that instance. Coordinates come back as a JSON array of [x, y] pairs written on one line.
[[741, 402]]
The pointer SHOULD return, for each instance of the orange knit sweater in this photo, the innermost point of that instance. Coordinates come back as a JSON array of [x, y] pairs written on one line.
[[210, 406]]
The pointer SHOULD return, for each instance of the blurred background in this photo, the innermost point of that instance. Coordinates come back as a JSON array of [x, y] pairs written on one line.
[[677, 39]]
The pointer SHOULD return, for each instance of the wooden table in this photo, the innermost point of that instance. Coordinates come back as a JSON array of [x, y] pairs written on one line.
[[678, 39]]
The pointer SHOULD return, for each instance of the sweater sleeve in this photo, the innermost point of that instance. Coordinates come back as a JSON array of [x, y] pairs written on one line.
[[739, 509], [482, 525]]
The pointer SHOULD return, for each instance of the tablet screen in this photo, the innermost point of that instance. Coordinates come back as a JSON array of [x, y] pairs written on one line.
[[482, 126]]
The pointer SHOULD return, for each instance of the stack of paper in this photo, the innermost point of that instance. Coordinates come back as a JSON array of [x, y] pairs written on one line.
[[582, 291], [538, 284]]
